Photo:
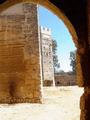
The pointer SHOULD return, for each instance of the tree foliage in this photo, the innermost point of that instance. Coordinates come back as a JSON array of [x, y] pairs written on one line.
[[73, 61], [55, 57]]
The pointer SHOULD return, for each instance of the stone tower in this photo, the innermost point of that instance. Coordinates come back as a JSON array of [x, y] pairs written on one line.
[[47, 55], [19, 55]]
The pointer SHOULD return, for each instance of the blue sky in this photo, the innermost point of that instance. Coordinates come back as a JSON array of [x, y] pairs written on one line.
[[60, 33]]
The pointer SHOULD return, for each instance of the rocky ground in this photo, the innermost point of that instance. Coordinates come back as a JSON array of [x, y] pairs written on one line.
[[59, 103]]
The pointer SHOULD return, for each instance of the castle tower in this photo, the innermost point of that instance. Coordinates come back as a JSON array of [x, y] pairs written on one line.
[[19, 55], [47, 55]]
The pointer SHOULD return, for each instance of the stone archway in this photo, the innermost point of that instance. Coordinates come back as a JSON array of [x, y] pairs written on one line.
[[83, 50], [66, 21], [49, 6], [57, 12]]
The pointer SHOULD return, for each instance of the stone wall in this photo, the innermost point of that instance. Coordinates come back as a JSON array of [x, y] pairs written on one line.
[[65, 80], [75, 17], [19, 55]]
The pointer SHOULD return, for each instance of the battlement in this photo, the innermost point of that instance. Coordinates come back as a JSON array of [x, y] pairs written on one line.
[[45, 30]]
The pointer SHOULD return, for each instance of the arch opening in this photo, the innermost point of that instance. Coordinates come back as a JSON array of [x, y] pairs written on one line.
[[57, 12]]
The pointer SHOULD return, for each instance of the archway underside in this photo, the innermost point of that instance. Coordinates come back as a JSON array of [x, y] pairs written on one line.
[[49, 6], [60, 14]]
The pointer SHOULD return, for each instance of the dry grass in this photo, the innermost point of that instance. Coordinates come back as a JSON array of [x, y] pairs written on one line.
[[61, 103]]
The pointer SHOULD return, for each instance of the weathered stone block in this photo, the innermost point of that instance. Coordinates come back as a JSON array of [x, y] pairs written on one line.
[[19, 55]]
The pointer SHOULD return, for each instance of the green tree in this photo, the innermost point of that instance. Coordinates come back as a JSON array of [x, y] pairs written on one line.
[[73, 61], [55, 57]]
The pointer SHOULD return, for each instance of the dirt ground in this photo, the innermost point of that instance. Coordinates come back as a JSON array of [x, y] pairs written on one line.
[[59, 103]]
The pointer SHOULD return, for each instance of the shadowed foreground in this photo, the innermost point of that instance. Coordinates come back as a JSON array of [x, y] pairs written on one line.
[[61, 103]]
